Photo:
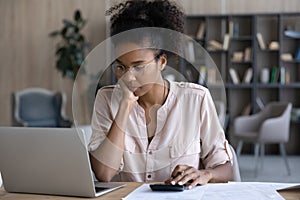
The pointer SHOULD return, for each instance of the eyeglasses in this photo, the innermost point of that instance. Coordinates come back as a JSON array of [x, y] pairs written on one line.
[[120, 69]]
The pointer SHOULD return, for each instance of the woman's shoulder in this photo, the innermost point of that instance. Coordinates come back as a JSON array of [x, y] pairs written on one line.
[[107, 90], [188, 87]]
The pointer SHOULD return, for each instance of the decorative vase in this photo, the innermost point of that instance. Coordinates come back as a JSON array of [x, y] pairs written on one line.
[[265, 75]]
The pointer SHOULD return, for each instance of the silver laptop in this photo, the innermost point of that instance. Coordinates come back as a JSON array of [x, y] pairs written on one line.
[[48, 161]]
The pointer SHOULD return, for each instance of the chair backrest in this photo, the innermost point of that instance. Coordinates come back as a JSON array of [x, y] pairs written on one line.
[[277, 128], [235, 164], [276, 109], [36, 107]]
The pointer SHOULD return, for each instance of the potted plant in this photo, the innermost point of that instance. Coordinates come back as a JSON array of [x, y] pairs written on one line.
[[72, 47]]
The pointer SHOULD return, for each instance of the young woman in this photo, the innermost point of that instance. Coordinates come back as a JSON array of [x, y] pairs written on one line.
[[149, 129]]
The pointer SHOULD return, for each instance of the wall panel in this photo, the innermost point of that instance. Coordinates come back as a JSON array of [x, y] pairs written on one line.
[[27, 53]]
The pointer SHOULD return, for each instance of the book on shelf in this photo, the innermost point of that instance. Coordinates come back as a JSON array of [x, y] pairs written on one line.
[[230, 28], [214, 45], [234, 76], [277, 75], [287, 76], [236, 29], [261, 41], [190, 51], [274, 75], [211, 75], [247, 54], [248, 75], [260, 102], [237, 56], [246, 110], [282, 75], [189, 75], [226, 41], [200, 31], [202, 75]]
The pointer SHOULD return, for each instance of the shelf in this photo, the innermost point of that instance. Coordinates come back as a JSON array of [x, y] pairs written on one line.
[[286, 38], [290, 85], [238, 86], [241, 62], [243, 29], [215, 85], [269, 50], [268, 85], [217, 51], [278, 85], [291, 61], [241, 38]]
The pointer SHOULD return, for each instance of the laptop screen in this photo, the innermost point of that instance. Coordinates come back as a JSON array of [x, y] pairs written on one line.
[[46, 161]]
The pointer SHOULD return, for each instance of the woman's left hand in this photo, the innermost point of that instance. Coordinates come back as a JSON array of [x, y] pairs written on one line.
[[189, 176]]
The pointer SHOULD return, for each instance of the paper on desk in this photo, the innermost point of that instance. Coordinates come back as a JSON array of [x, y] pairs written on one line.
[[297, 186], [240, 190], [144, 192], [276, 186], [222, 191]]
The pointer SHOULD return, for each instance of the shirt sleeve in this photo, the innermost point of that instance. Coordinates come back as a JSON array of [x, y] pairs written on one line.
[[214, 146], [102, 120]]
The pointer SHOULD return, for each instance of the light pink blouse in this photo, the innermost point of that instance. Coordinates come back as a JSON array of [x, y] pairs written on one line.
[[188, 133]]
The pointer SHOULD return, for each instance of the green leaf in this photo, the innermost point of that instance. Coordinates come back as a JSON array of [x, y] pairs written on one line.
[[73, 47], [63, 64], [61, 51], [83, 22], [71, 50], [64, 31], [77, 16], [54, 33], [76, 29], [80, 38], [68, 23]]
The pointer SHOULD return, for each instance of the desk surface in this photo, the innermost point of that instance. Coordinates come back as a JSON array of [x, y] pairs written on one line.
[[115, 195]]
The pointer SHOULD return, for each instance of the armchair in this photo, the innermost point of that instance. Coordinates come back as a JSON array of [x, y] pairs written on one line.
[[269, 126], [37, 107]]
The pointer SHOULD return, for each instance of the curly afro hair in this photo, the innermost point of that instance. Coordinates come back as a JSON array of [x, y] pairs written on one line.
[[134, 14], [142, 13]]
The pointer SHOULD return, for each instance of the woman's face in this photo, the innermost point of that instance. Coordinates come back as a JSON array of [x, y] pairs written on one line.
[[139, 69]]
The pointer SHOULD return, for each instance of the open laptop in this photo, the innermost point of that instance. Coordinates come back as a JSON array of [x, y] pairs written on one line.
[[48, 161]]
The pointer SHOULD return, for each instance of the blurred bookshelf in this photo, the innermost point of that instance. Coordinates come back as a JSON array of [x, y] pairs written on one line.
[[260, 42]]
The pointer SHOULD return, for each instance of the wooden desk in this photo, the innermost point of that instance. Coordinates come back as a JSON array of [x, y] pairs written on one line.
[[115, 195]]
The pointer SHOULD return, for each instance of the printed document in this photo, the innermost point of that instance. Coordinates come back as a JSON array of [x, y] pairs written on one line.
[[215, 191]]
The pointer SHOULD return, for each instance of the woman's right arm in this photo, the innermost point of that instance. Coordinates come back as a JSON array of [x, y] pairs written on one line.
[[106, 159]]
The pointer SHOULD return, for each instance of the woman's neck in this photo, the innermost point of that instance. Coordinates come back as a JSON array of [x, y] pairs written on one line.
[[156, 96]]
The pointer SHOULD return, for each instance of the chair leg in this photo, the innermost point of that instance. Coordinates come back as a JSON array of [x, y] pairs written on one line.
[[262, 155], [283, 154], [256, 153], [239, 148]]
